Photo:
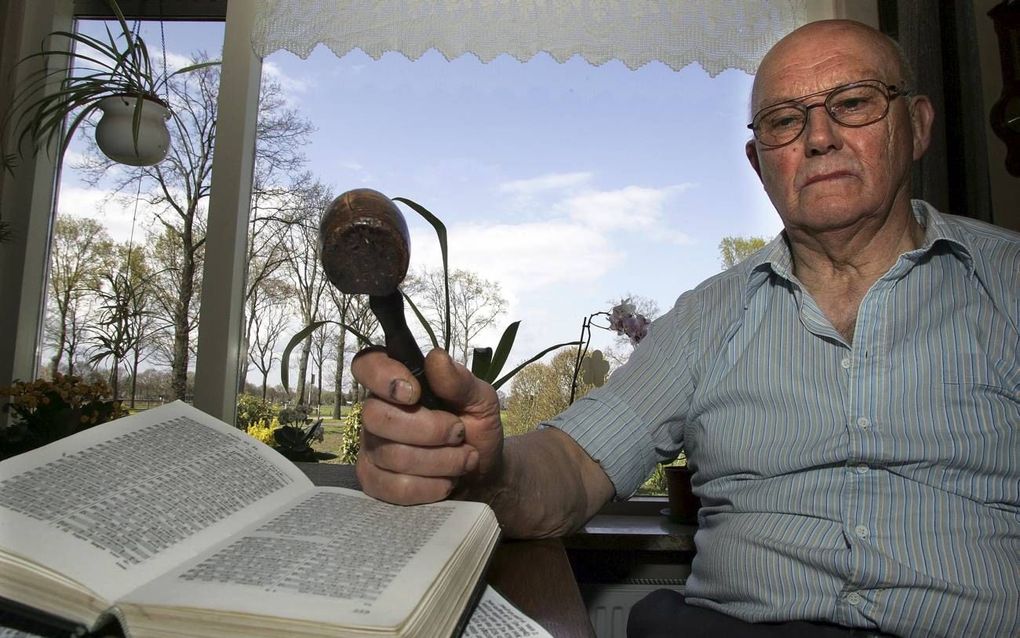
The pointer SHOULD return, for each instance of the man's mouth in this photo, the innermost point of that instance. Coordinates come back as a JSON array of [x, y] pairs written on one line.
[[825, 177]]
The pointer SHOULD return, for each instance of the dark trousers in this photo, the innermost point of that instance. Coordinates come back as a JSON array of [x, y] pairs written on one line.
[[664, 614]]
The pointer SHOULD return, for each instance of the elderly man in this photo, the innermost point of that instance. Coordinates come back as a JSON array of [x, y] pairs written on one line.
[[848, 396]]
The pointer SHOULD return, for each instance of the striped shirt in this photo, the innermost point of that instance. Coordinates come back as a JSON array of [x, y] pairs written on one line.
[[873, 485]]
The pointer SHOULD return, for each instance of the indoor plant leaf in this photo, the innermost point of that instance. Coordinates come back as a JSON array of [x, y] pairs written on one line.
[[506, 377], [421, 318], [440, 228], [301, 336]]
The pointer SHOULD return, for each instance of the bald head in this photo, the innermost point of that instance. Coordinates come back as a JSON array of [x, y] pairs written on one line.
[[836, 179], [817, 45]]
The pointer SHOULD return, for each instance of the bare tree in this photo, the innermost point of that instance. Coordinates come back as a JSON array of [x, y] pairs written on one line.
[[303, 270], [281, 133], [176, 192], [269, 323], [176, 293], [353, 311], [80, 253], [475, 304], [322, 341]]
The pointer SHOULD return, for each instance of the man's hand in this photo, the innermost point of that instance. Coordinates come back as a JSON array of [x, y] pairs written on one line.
[[410, 454]]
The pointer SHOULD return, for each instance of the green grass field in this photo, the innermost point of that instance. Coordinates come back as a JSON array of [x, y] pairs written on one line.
[[331, 438]]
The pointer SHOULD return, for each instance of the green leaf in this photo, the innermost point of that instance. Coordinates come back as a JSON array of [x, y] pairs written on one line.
[[301, 336], [506, 342], [195, 67], [481, 363], [506, 377], [441, 235], [421, 319]]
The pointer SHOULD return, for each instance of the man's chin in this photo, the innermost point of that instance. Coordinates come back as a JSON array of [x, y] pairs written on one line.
[[828, 214]]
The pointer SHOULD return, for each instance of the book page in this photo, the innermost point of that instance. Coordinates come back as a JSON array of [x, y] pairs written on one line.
[[115, 505], [337, 556], [496, 617]]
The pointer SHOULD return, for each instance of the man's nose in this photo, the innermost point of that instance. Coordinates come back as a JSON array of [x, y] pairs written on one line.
[[821, 133]]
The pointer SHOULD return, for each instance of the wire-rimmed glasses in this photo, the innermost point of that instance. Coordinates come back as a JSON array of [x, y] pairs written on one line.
[[853, 105]]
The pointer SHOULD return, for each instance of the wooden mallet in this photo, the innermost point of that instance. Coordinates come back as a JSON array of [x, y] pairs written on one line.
[[365, 249]]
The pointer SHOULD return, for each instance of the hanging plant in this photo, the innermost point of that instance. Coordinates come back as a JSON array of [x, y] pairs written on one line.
[[114, 75]]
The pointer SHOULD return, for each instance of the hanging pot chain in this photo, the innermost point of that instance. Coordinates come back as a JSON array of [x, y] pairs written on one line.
[[162, 42]]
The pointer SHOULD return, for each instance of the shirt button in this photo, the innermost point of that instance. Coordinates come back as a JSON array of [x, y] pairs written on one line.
[[864, 422], [861, 531], [862, 468], [845, 362], [853, 598]]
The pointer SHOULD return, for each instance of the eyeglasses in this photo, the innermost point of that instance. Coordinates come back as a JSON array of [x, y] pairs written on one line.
[[853, 105]]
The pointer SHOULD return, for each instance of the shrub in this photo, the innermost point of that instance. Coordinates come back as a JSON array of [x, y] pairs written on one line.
[[252, 410], [350, 432], [263, 430], [294, 415]]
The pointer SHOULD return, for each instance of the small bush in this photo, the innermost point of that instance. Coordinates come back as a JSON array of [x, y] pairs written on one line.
[[263, 430], [350, 432], [294, 415], [252, 410]]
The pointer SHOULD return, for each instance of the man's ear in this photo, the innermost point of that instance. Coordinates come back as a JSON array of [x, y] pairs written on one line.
[[752, 156], [922, 114]]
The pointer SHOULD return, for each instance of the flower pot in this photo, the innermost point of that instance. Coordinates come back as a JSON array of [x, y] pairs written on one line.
[[115, 131], [683, 504]]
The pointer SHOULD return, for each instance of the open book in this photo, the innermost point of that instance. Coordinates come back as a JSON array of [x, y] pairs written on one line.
[[176, 524]]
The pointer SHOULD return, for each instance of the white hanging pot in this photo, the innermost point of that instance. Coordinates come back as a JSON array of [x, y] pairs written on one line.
[[115, 131]]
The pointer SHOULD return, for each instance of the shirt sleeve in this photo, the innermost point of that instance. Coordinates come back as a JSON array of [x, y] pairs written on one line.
[[636, 420]]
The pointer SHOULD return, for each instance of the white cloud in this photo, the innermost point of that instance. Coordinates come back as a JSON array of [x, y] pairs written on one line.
[[174, 61], [632, 207], [292, 86], [546, 183], [522, 257], [113, 212], [533, 264]]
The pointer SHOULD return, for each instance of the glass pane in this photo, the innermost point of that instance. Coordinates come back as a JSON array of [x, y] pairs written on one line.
[[128, 242], [565, 188]]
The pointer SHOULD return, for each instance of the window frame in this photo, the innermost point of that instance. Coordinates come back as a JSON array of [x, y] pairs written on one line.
[[30, 194]]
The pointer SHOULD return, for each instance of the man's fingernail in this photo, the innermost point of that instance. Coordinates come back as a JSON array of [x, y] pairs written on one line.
[[472, 461], [456, 434], [400, 390]]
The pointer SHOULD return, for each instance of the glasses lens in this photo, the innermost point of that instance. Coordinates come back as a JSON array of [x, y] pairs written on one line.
[[857, 105], [779, 125]]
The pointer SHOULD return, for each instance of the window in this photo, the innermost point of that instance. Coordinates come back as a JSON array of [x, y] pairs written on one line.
[[128, 243]]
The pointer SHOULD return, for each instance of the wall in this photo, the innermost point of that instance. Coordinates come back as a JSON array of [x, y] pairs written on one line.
[[1005, 188]]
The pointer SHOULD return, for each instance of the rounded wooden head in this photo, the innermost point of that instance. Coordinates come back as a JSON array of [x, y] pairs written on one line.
[[363, 242]]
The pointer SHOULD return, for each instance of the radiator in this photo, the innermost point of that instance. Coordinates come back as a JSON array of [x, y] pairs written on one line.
[[608, 604]]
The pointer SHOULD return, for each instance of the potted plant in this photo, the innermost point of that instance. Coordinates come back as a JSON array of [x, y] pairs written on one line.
[[44, 411], [114, 75]]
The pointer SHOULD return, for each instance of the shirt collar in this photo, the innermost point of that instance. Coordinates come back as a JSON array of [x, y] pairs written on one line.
[[776, 257], [938, 230]]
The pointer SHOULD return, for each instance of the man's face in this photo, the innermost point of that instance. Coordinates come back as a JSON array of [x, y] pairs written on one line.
[[833, 177]]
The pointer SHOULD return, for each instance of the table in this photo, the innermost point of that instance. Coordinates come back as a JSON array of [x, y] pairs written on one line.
[[534, 575]]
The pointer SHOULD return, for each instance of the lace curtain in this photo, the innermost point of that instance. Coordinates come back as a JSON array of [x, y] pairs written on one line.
[[716, 34]]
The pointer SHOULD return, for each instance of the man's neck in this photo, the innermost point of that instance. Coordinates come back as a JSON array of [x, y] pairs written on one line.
[[838, 267], [861, 253]]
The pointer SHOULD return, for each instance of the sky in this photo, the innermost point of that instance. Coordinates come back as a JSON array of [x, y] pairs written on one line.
[[568, 184]]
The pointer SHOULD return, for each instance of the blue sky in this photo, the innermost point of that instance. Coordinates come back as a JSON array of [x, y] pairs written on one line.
[[568, 184]]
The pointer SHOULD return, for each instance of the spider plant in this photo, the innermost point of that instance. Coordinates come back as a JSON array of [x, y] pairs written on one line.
[[90, 70]]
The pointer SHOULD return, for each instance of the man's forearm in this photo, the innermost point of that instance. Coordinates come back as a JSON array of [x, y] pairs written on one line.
[[547, 486]]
